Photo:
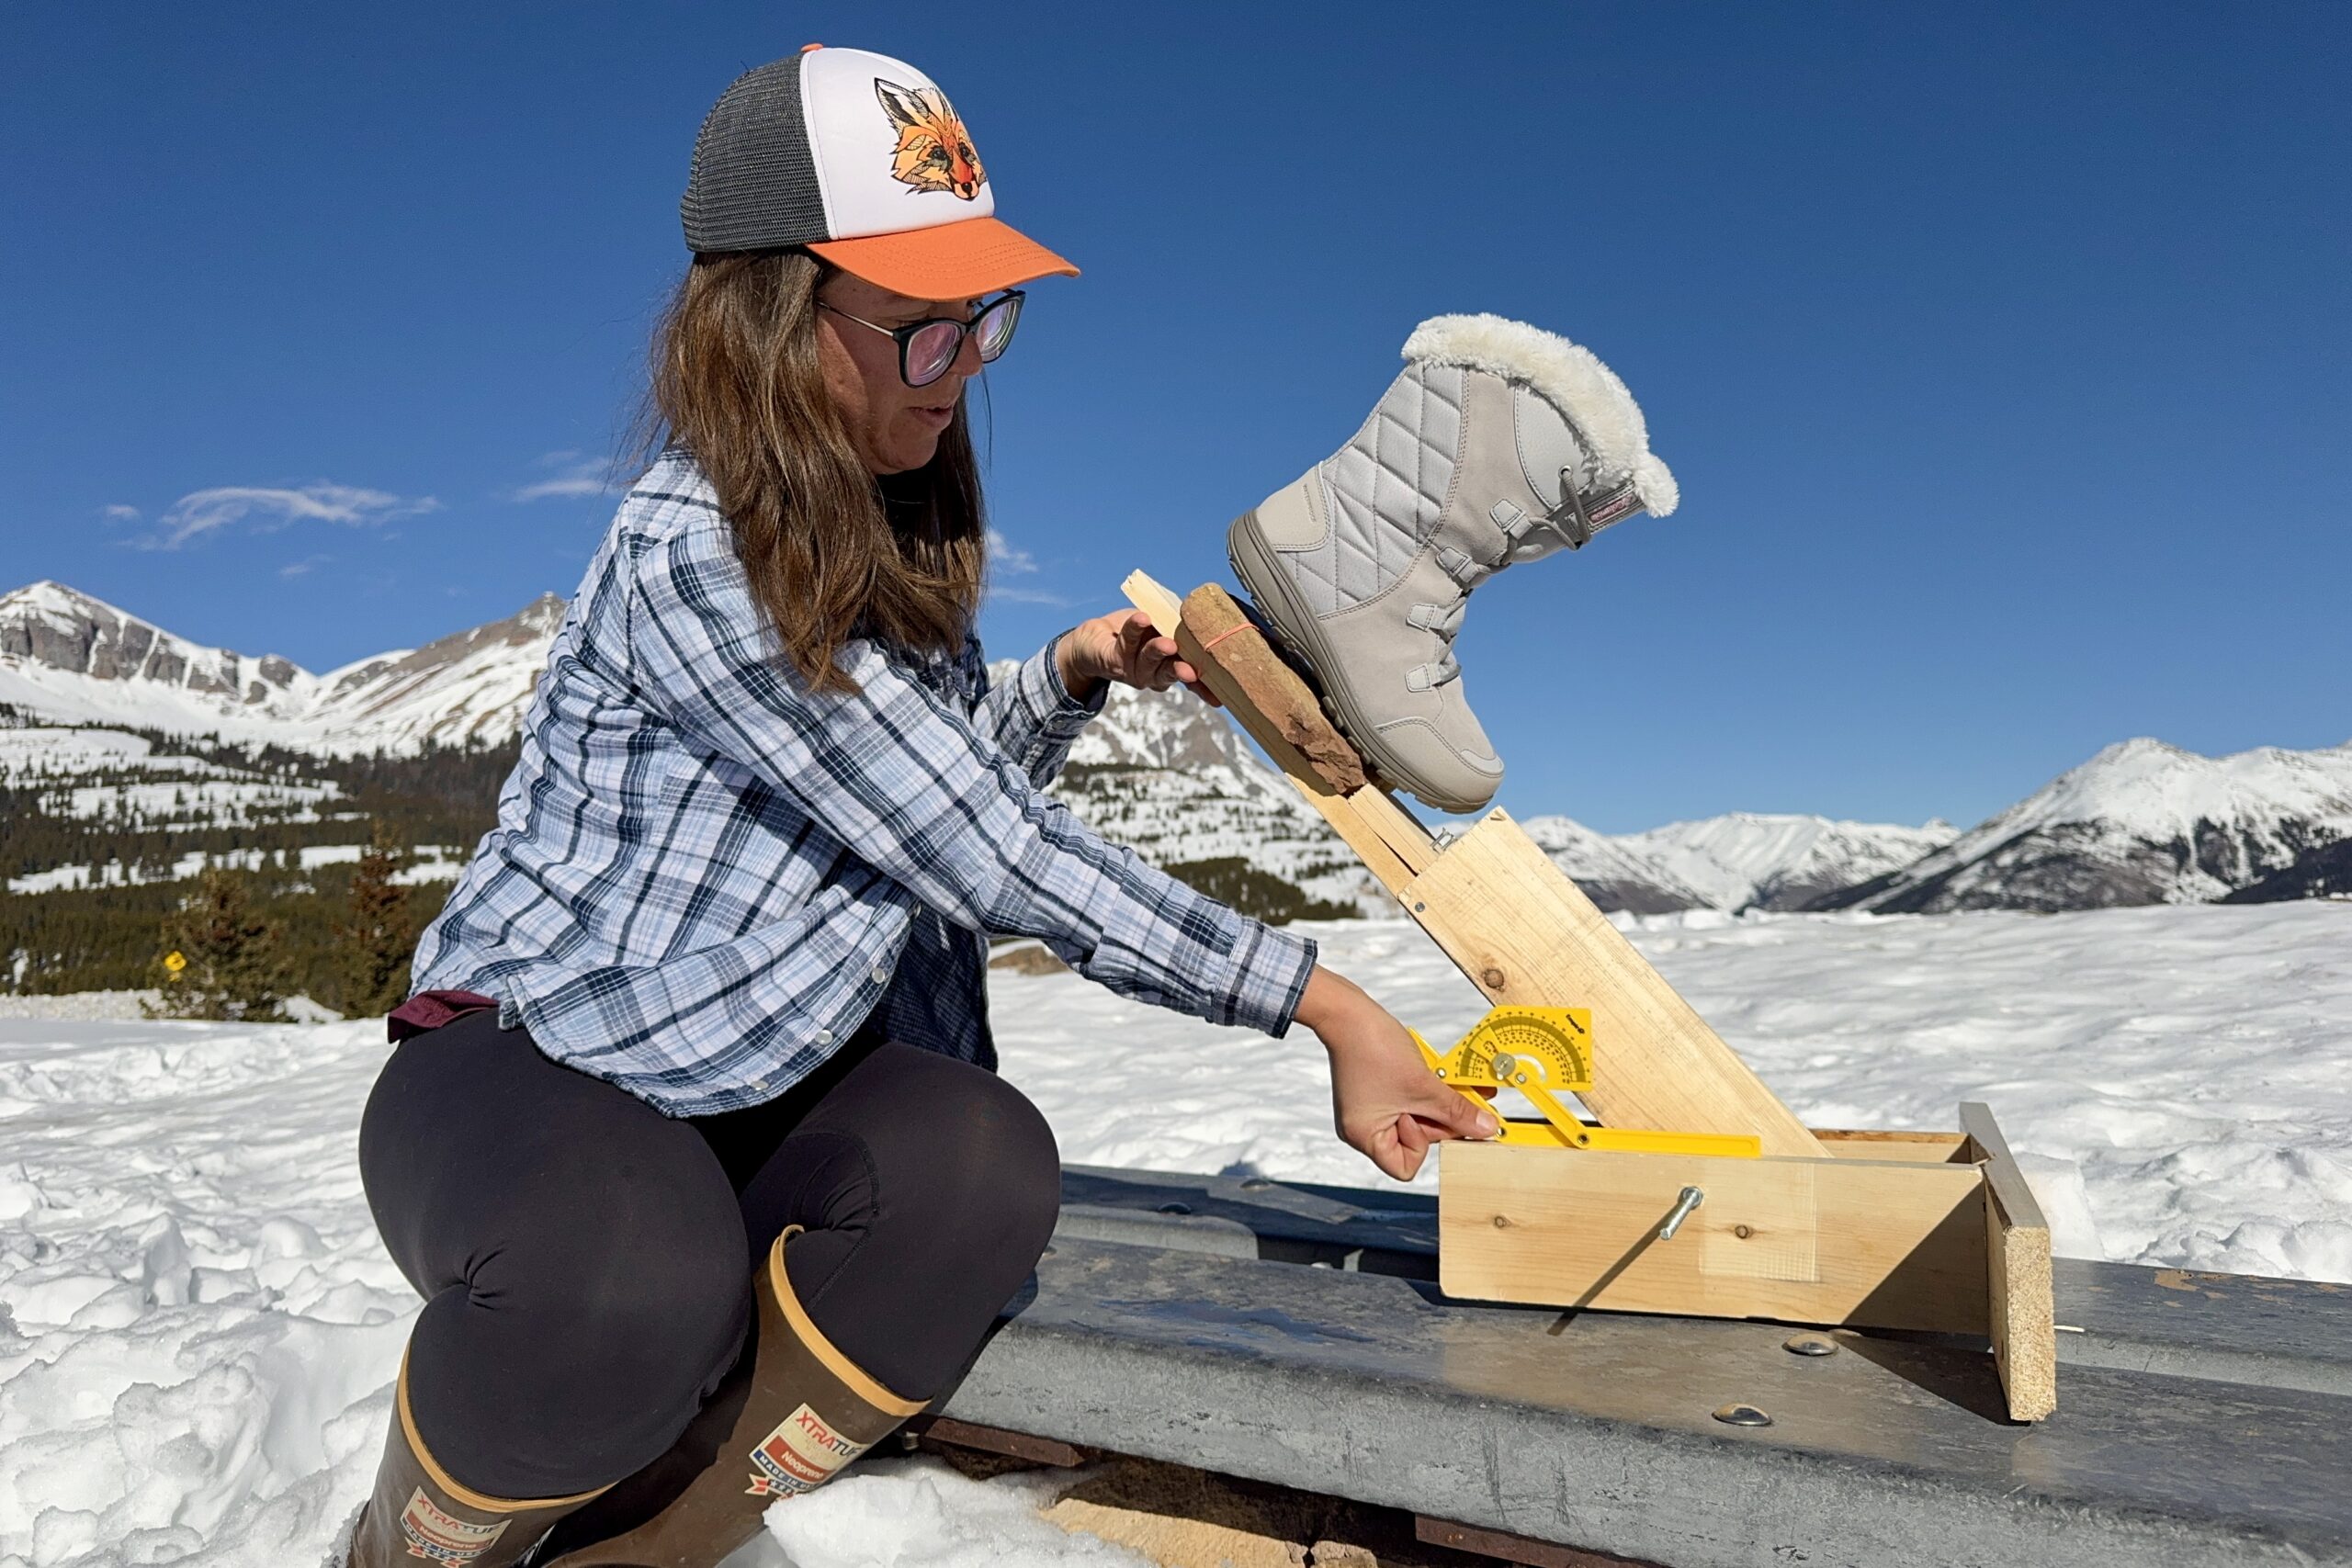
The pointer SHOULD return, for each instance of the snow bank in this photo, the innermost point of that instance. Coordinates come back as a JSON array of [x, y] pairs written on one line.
[[199, 1327], [921, 1513]]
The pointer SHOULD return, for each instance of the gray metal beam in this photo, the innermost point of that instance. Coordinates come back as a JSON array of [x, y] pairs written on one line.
[[2227, 1328], [1594, 1430]]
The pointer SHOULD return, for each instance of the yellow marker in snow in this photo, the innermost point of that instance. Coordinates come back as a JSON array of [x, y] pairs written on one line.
[[176, 961]]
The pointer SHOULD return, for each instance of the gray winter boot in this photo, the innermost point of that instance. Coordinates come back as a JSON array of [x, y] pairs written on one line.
[[1498, 442]]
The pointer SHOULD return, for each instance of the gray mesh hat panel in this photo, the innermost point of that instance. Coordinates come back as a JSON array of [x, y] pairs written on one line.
[[753, 184]]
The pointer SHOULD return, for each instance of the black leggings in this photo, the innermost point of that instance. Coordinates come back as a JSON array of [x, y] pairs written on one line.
[[587, 1261]]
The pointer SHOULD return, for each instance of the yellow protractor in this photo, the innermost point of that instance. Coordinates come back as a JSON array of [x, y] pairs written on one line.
[[1515, 1046], [1539, 1051], [1544, 1053]]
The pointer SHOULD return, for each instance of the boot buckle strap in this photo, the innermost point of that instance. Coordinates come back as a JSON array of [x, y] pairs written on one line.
[[1466, 569]]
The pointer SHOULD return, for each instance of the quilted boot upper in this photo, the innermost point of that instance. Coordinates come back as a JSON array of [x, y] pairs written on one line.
[[1498, 442]]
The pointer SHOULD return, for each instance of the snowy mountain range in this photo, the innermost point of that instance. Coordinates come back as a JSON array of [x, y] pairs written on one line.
[[72, 658], [2140, 823]]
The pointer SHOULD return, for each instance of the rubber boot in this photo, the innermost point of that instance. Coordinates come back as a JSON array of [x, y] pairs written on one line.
[[786, 1423], [1498, 442], [419, 1513]]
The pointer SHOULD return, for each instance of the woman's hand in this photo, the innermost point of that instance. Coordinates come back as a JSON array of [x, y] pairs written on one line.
[[1387, 1104], [1122, 646]]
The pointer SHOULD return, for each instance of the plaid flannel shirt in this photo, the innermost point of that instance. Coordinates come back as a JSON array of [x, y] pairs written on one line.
[[706, 877]]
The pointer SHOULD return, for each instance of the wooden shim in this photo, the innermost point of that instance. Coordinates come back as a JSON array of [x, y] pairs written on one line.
[[1210, 619], [1525, 934], [1931, 1148], [1509, 1548], [1893, 1245], [2016, 1238], [996, 1441]]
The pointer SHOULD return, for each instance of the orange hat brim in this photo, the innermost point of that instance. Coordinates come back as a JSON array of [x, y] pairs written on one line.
[[946, 261]]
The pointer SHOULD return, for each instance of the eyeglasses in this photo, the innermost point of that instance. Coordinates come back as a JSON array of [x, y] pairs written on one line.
[[926, 348]]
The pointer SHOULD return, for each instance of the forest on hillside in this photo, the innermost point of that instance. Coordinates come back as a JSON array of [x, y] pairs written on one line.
[[104, 860]]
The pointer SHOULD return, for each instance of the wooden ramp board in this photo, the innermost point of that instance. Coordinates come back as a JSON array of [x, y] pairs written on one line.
[[1510, 919]]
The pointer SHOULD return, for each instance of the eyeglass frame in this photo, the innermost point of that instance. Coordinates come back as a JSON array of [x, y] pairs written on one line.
[[905, 337]]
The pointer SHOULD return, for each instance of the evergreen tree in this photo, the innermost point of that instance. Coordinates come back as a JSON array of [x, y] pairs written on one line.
[[376, 939], [221, 958]]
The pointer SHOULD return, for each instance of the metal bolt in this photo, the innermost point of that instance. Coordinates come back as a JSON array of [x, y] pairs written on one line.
[[1175, 1208], [1743, 1415], [1810, 1345], [1691, 1199], [1259, 1183], [1420, 908]]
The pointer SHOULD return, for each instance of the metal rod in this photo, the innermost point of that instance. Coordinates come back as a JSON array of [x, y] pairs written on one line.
[[1691, 1198]]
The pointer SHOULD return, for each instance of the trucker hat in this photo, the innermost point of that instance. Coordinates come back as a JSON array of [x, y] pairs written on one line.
[[861, 158]]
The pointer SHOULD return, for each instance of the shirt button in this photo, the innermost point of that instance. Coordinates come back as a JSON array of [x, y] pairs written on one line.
[[881, 975], [824, 1037]]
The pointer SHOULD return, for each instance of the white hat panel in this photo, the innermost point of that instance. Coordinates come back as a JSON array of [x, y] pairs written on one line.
[[891, 154]]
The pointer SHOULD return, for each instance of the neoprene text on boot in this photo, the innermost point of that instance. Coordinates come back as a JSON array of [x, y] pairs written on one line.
[[1498, 442], [792, 1415], [420, 1514]]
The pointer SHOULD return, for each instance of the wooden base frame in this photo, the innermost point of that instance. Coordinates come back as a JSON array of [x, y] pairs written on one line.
[[1920, 1231], [1932, 1232]]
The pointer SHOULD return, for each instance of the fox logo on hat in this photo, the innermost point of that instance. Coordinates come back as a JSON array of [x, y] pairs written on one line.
[[861, 159], [934, 151]]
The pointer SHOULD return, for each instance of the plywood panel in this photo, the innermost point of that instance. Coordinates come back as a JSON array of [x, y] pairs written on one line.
[[1525, 934]]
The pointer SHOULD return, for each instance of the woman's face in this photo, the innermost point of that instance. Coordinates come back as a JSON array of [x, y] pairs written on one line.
[[894, 427]]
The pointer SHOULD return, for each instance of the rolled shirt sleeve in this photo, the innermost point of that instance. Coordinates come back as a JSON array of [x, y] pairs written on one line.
[[1033, 718], [928, 797]]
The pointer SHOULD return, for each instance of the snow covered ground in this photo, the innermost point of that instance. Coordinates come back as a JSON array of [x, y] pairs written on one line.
[[197, 1327]]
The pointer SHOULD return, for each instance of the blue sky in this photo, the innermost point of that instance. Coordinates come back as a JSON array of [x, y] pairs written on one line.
[[2004, 352]]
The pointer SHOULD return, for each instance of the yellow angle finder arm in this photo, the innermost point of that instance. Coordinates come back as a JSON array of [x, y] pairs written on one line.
[[1544, 1053]]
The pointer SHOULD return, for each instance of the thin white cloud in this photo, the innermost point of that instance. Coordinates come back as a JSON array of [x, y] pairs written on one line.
[[118, 513], [267, 509], [1027, 597], [302, 567], [574, 476], [1007, 557]]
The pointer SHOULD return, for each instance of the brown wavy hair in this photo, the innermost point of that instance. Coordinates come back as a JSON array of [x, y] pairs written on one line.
[[736, 381]]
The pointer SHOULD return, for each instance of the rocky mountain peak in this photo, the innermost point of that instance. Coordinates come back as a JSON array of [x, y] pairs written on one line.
[[54, 627]]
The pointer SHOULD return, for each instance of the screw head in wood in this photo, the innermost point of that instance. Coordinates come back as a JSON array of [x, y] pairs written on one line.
[[1743, 1415], [1810, 1345]]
